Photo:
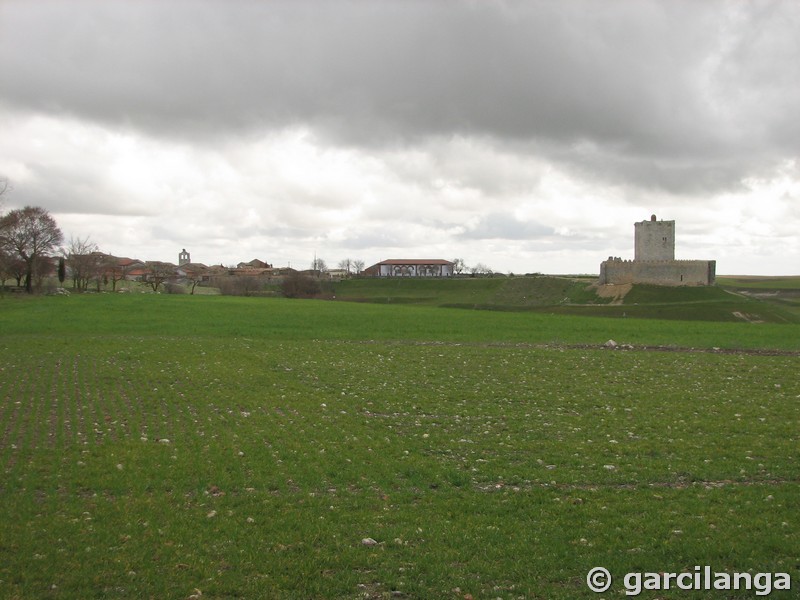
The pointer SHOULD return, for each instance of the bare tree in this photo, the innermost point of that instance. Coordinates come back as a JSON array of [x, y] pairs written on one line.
[[358, 266], [9, 267], [459, 265], [346, 265], [43, 267], [195, 275], [318, 266], [480, 269], [29, 233], [113, 271], [158, 272], [84, 261]]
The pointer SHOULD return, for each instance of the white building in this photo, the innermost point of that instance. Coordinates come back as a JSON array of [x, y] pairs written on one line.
[[411, 267]]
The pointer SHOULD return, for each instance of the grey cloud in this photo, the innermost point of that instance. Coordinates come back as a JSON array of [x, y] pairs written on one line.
[[65, 191], [682, 175], [287, 233], [501, 226], [675, 95], [363, 240]]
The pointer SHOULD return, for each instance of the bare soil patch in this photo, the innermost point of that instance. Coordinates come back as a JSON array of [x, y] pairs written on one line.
[[747, 317], [615, 292]]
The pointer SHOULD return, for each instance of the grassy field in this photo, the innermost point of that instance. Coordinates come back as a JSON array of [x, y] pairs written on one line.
[[780, 292], [501, 292], [760, 283], [215, 447], [577, 296]]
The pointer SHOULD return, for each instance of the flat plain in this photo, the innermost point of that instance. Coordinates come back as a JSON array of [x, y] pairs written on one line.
[[214, 447]]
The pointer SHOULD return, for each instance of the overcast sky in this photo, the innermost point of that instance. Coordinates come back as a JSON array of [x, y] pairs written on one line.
[[528, 136]]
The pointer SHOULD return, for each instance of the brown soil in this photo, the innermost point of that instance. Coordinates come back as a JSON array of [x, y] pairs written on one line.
[[615, 292]]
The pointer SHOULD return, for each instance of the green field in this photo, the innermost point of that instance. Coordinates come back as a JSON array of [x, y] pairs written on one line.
[[780, 292], [216, 447], [760, 283]]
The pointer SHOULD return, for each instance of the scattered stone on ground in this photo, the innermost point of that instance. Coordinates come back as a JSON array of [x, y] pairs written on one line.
[[368, 542]]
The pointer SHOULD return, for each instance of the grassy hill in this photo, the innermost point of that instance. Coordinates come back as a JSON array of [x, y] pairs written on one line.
[[692, 304], [576, 296], [481, 292]]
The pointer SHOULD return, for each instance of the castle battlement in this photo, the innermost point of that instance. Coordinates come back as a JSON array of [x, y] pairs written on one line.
[[617, 259]]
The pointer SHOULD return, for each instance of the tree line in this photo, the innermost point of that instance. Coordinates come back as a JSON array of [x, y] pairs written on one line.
[[30, 236]]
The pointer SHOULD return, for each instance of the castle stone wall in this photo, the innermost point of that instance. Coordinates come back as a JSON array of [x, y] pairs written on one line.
[[654, 260], [658, 272]]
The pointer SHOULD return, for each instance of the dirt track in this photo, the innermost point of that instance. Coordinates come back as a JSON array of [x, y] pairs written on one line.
[[749, 351], [605, 347]]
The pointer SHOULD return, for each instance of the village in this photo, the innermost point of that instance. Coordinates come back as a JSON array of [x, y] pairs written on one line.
[[96, 271], [88, 269]]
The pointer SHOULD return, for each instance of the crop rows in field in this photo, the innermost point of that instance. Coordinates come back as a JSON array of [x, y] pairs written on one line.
[[482, 413], [145, 466], [76, 399]]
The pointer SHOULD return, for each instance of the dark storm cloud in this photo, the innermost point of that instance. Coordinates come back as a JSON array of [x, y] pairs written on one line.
[[675, 95], [364, 69]]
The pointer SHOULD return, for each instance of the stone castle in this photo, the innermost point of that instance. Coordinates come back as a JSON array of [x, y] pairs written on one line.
[[654, 260]]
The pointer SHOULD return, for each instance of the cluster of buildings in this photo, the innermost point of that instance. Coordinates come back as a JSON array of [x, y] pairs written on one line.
[[258, 268], [188, 272]]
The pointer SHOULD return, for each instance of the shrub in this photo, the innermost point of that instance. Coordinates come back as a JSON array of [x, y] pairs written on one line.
[[237, 286], [301, 286], [174, 288]]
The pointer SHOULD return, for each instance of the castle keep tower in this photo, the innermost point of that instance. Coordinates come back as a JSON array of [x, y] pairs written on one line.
[[654, 260], [654, 240]]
